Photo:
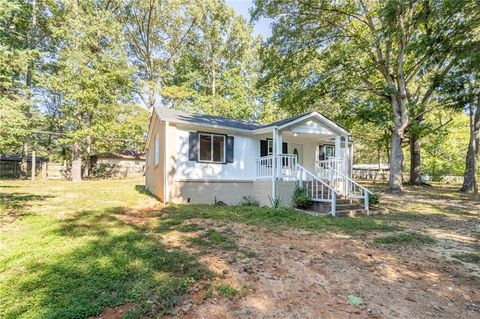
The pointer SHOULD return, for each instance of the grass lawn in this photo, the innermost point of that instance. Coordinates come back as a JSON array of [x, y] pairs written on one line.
[[71, 250]]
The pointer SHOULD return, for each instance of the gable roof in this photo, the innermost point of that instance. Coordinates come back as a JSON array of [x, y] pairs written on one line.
[[177, 116]]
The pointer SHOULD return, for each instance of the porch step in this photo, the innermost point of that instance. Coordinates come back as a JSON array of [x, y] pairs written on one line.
[[344, 207]]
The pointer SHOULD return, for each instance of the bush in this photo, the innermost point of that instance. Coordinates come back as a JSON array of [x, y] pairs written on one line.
[[373, 198], [301, 198], [249, 201]]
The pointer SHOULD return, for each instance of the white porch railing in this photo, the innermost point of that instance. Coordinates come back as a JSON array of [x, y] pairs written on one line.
[[348, 187], [317, 189], [264, 168], [327, 187], [322, 167], [286, 167]]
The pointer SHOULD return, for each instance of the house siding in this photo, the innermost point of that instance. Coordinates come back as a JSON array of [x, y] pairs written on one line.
[[246, 150], [155, 174]]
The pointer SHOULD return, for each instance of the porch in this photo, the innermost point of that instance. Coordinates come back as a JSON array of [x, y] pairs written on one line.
[[312, 152]]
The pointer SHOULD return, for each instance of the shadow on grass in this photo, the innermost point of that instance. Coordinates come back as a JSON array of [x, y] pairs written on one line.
[[143, 190], [112, 264], [15, 205]]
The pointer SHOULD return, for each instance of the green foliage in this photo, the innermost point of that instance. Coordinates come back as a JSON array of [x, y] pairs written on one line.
[[275, 202], [226, 290], [374, 198], [405, 239], [249, 201], [216, 71], [301, 198]]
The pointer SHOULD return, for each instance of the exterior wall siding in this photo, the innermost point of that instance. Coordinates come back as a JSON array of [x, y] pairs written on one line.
[[155, 174], [246, 150]]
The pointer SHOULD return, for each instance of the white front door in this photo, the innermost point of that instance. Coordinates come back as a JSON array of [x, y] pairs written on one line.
[[296, 149]]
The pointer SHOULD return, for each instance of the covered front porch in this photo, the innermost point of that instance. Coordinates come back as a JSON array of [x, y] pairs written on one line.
[[313, 152], [313, 142]]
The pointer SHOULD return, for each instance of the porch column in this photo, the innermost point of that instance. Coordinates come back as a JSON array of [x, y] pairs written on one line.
[[346, 157], [337, 146], [274, 162]]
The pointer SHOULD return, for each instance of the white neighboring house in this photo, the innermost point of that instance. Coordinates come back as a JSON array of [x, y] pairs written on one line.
[[197, 158]]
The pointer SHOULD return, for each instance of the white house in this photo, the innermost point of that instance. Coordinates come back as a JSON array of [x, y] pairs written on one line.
[[197, 158]]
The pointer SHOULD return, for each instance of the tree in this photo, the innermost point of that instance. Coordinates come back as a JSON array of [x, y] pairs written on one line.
[[15, 56], [393, 50], [156, 32], [216, 71], [91, 74], [462, 91]]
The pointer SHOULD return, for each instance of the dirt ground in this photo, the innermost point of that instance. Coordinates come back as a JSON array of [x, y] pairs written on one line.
[[290, 273]]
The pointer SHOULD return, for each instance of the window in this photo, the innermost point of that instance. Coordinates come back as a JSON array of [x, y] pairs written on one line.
[[156, 155], [270, 147], [329, 151], [212, 148]]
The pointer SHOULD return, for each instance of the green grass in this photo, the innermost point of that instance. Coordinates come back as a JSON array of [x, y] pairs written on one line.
[[214, 239], [68, 250], [473, 258], [69, 256], [405, 239], [226, 290], [277, 218]]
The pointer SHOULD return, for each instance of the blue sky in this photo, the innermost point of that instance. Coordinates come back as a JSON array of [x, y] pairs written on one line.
[[241, 7]]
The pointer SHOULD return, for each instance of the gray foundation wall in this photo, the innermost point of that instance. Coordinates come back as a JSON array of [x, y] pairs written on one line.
[[229, 192]]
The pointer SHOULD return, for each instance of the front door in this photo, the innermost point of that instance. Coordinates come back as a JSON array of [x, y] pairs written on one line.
[[296, 149]]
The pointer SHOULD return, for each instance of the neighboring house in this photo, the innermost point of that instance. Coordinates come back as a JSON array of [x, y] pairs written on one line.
[[121, 164], [196, 158]]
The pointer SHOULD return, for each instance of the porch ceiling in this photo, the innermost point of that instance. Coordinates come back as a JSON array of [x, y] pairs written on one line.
[[307, 136]]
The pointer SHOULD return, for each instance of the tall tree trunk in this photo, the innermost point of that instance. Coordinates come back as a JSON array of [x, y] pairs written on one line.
[[415, 159], [76, 163], [396, 160], [24, 162], [86, 170], [470, 183], [28, 83], [400, 114]]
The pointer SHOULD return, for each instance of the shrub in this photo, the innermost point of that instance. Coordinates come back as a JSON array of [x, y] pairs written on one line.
[[373, 198], [249, 201], [301, 198]]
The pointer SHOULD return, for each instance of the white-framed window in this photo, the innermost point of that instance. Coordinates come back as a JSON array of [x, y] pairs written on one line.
[[156, 151], [329, 151], [211, 148], [269, 147]]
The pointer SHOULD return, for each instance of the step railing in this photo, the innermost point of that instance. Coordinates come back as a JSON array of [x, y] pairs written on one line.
[[317, 189], [348, 187]]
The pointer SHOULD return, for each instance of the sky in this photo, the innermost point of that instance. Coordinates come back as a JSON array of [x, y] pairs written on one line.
[[261, 27]]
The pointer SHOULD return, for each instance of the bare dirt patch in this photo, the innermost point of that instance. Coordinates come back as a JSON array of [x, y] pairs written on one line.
[[291, 273], [297, 274], [115, 313]]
